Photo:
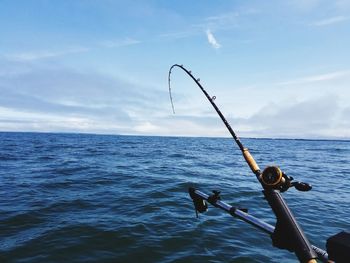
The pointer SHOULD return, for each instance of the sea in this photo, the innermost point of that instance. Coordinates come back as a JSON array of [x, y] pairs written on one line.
[[113, 198]]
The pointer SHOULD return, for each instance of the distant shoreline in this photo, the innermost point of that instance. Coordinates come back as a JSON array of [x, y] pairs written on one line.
[[180, 136]]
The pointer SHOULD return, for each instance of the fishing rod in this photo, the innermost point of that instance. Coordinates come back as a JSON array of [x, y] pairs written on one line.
[[287, 234]]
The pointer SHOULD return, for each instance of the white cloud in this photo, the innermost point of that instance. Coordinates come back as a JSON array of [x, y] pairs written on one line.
[[45, 54], [342, 4], [191, 31], [305, 5], [42, 54], [51, 98], [119, 43], [317, 78], [223, 19], [92, 103], [330, 21], [218, 22], [321, 117], [146, 128], [211, 39]]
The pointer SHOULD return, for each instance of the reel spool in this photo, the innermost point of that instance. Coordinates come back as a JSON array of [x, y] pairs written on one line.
[[273, 178]]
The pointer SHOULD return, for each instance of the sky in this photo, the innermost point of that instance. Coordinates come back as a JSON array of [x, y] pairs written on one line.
[[278, 69]]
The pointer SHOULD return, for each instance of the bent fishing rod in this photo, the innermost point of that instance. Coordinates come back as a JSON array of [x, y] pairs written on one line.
[[287, 234]]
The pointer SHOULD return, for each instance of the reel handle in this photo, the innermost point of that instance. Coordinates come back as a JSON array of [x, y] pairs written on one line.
[[300, 186]]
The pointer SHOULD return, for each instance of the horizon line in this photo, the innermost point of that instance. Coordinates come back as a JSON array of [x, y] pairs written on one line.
[[185, 136]]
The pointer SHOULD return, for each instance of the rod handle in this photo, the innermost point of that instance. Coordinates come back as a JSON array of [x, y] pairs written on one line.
[[250, 160]]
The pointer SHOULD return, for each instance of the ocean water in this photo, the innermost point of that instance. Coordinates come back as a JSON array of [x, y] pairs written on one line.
[[100, 198]]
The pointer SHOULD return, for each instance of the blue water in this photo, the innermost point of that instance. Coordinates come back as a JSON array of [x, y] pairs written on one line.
[[99, 198]]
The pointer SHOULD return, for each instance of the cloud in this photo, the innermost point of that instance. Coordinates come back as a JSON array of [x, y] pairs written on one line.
[[42, 54], [119, 43], [318, 118], [191, 31], [28, 56], [184, 125], [330, 21], [342, 4], [225, 20], [212, 41], [12, 68], [321, 117], [222, 21], [47, 98], [63, 100], [305, 5], [317, 78]]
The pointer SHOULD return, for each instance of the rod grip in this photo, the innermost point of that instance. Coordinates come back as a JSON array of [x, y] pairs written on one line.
[[250, 160]]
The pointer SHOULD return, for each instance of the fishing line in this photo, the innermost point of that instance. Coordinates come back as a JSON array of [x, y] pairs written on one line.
[[211, 100], [247, 156]]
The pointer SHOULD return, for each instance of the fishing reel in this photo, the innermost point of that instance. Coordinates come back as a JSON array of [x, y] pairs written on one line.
[[273, 178]]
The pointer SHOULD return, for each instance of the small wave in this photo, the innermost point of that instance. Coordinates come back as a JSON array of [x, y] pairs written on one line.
[[24, 220], [95, 150], [66, 206], [8, 157], [133, 155], [103, 181], [176, 155], [56, 185], [70, 170], [46, 158], [128, 143]]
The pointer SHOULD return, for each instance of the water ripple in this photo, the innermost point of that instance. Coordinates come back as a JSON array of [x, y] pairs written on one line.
[[92, 198]]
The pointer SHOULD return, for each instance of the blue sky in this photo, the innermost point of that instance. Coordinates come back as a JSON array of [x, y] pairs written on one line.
[[277, 68]]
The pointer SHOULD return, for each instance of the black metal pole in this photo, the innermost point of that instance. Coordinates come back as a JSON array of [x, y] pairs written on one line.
[[252, 220]]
